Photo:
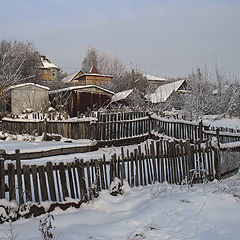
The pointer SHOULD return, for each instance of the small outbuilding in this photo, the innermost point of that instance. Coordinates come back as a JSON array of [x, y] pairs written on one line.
[[28, 96], [80, 98]]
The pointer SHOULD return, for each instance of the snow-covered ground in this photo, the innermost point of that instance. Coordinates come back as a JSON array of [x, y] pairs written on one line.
[[25, 146], [160, 211], [223, 122], [108, 152]]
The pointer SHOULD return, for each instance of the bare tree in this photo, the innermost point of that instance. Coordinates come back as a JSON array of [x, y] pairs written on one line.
[[19, 63], [90, 60], [104, 63], [129, 80]]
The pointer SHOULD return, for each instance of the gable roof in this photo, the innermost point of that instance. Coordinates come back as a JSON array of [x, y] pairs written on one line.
[[94, 70], [28, 84], [94, 74], [71, 76], [121, 95], [46, 63], [163, 92], [80, 87]]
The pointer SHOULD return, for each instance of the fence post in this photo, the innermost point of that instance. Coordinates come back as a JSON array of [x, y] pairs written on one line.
[[217, 157], [45, 129], [217, 136], [2, 178], [19, 175], [200, 131], [149, 125]]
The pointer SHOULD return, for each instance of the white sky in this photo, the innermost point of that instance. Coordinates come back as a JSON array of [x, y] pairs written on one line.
[[164, 38]]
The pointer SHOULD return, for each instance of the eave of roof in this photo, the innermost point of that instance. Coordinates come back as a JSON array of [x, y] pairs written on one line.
[[80, 87], [27, 84], [94, 74]]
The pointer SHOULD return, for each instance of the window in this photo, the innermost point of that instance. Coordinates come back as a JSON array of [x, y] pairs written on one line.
[[53, 73]]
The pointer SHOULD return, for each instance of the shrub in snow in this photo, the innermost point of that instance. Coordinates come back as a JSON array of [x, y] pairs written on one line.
[[118, 187], [3, 135], [159, 190], [47, 228], [115, 187], [8, 210], [200, 172], [93, 191]]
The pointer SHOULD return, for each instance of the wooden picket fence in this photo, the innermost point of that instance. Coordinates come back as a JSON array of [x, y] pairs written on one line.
[[116, 127], [182, 129], [176, 162]]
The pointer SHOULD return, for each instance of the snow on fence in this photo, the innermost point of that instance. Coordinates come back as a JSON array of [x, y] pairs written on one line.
[[110, 128], [229, 154], [191, 130], [52, 152], [106, 127], [176, 162]]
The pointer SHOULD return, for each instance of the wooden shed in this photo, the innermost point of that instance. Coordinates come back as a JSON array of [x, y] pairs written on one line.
[[28, 96], [80, 98]]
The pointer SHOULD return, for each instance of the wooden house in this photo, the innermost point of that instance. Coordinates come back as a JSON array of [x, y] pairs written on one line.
[[92, 78], [27, 96], [80, 98], [48, 70]]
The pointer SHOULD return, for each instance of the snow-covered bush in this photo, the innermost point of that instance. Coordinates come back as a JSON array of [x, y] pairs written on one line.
[[115, 187], [47, 228], [119, 187], [159, 190]]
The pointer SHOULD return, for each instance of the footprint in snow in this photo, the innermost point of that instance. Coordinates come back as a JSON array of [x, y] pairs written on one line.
[[137, 236]]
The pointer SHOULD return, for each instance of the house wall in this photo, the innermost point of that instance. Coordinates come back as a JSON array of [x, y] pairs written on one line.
[[49, 74], [93, 80], [82, 99], [28, 97], [98, 80]]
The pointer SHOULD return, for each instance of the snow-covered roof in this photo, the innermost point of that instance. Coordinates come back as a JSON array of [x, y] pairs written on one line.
[[154, 78], [94, 74], [47, 63], [28, 84], [79, 87], [163, 92], [70, 77], [121, 95]]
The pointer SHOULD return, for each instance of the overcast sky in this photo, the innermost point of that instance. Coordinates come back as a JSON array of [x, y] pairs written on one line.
[[164, 38]]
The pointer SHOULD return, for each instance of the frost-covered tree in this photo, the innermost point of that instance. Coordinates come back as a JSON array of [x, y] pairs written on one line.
[[19, 63], [104, 63], [129, 80], [91, 59], [214, 93], [198, 102]]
